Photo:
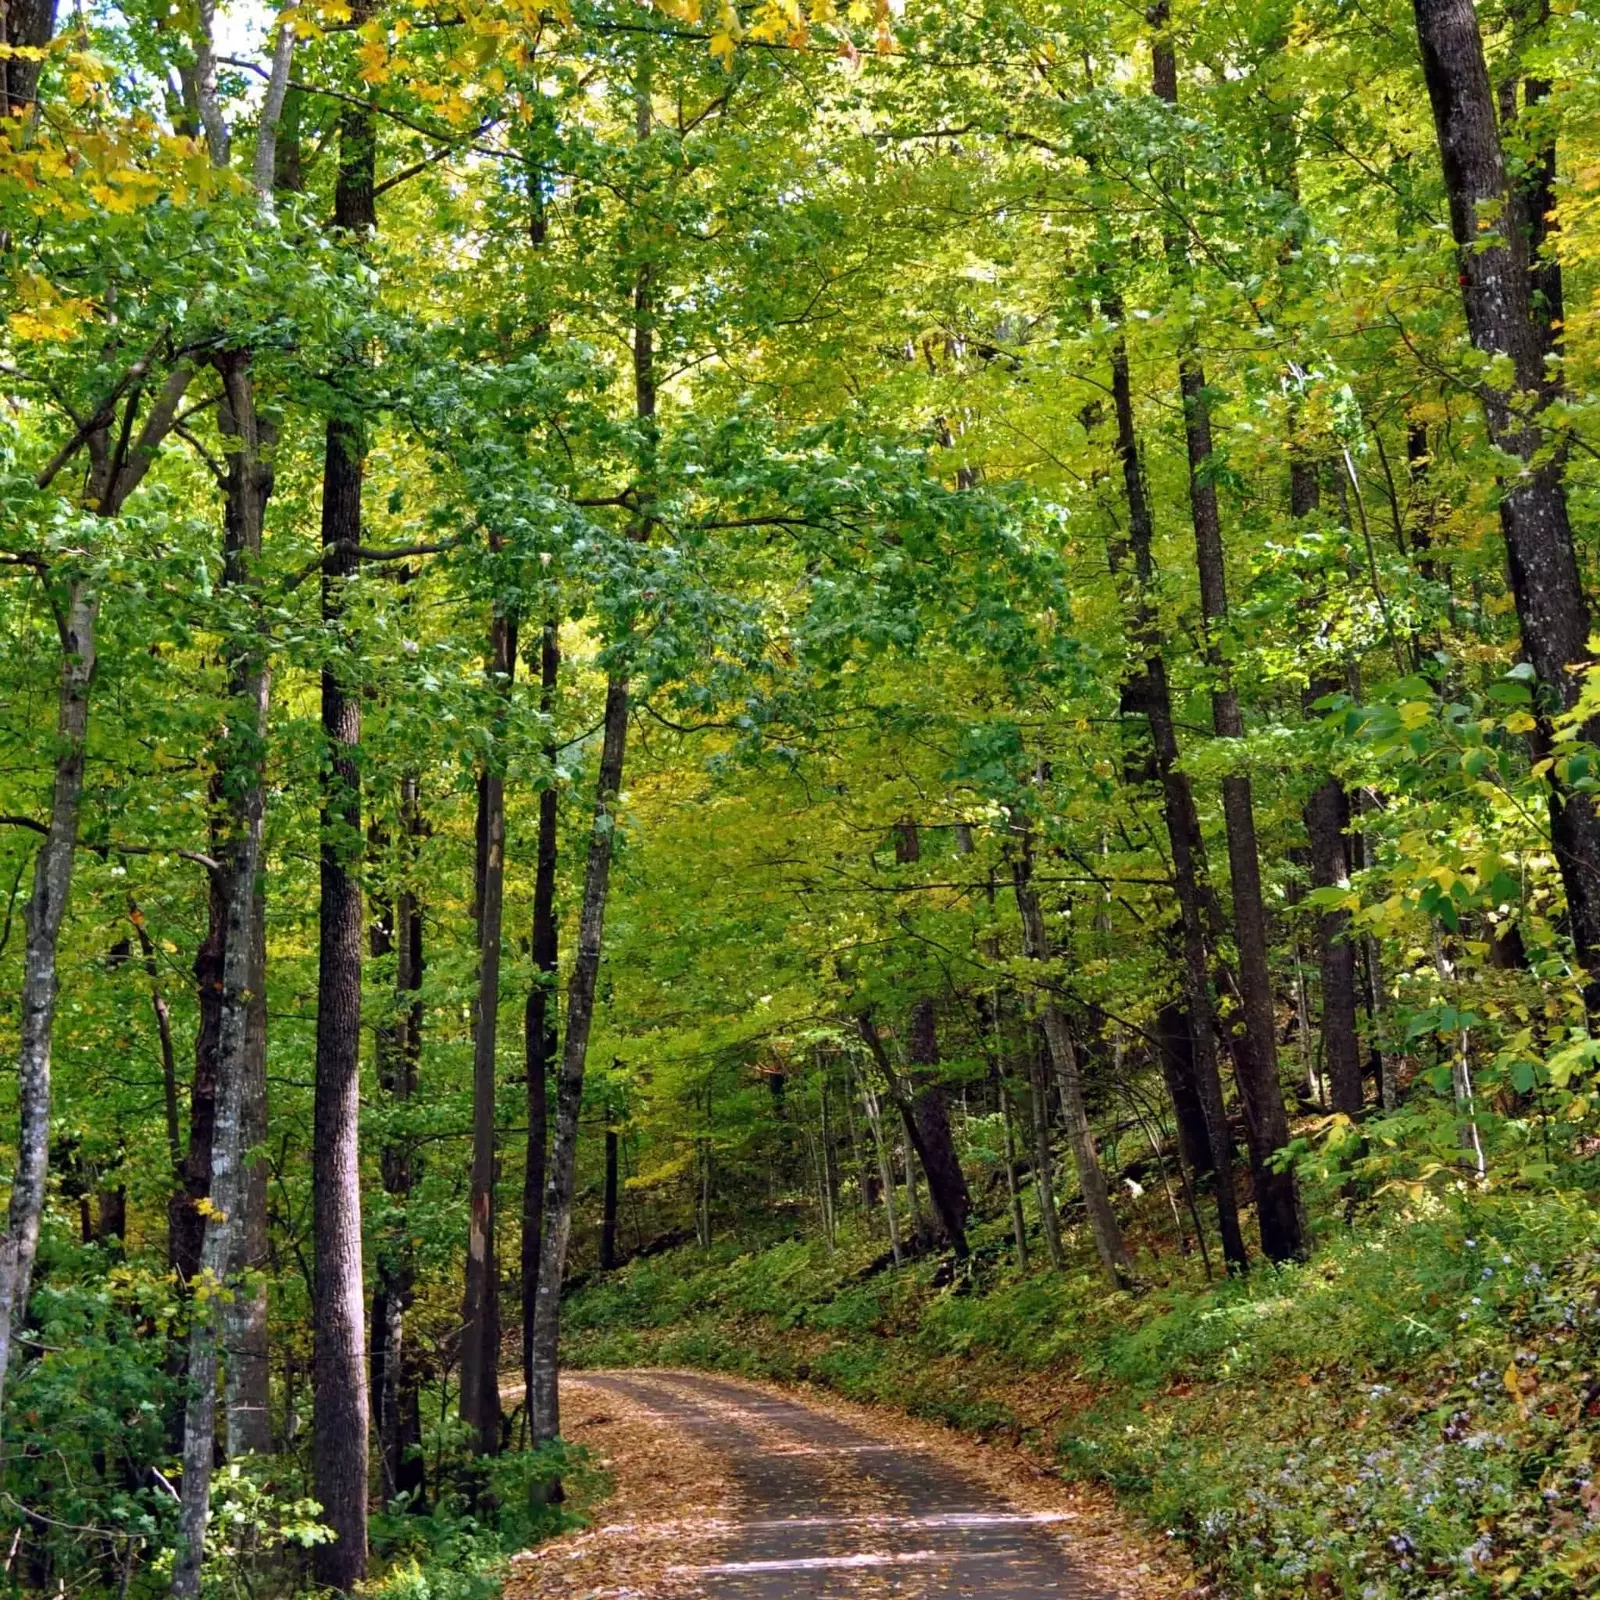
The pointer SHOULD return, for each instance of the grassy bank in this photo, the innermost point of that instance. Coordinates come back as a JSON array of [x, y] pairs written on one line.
[[1413, 1414]]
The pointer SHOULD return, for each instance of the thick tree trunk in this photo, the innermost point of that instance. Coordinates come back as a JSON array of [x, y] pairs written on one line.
[[339, 1337], [1103, 1225], [338, 1361], [546, 1407], [948, 1206], [241, 761], [1494, 272], [30, 24], [1175, 1044], [539, 1028], [930, 1109]]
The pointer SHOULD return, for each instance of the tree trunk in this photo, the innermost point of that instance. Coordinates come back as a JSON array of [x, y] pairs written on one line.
[[114, 476], [399, 1049], [1277, 1193], [52, 880], [242, 762], [540, 1033], [1108, 1242], [1154, 698], [480, 1337], [545, 1400], [930, 1108], [1494, 274], [1327, 818], [30, 24], [947, 1201], [608, 1213], [1175, 1044], [248, 1392]]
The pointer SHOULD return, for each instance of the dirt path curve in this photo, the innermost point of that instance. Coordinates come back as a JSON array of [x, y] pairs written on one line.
[[825, 1510]]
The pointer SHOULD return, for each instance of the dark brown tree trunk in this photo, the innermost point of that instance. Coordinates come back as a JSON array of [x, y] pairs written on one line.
[[1154, 697], [539, 1029], [546, 1406], [30, 24], [1327, 819], [248, 1388], [1277, 1194], [480, 1336], [608, 1206], [930, 1108], [944, 1195], [339, 1356], [1494, 268], [1176, 1047]]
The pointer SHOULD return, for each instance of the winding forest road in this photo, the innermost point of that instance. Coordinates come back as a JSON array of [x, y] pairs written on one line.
[[820, 1508]]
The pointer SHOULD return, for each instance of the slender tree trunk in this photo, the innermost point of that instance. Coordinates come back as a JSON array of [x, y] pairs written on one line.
[[1044, 1166], [1154, 697], [114, 475], [869, 1104], [1277, 1194], [540, 1032], [1108, 1241], [608, 1214], [545, 1399], [248, 1391], [1327, 818], [52, 880], [480, 1338], [1494, 274], [394, 1382]]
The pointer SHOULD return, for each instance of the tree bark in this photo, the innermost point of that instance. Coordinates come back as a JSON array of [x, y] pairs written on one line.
[[608, 1206], [540, 1030], [114, 475], [946, 1204], [930, 1108], [338, 1349], [1277, 1193], [394, 1399], [1494, 274], [480, 1336], [30, 24], [545, 1399], [241, 764], [1103, 1225], [1154, 698], [248, 1391]]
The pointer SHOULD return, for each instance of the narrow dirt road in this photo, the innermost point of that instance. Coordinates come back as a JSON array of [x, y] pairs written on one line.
[[815, 1508]]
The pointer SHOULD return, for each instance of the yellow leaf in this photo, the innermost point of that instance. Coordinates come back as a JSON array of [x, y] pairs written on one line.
[[723, 47]]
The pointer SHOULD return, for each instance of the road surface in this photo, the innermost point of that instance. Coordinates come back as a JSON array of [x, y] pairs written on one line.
[[825, 1510]]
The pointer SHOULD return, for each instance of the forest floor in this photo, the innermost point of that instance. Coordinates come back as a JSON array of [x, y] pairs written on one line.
[[734, 1490]]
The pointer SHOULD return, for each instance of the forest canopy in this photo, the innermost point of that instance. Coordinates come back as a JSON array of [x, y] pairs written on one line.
[[959, 632]]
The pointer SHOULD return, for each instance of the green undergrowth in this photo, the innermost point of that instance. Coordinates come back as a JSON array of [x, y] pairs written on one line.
[[458, 1546], [1412, 1414]]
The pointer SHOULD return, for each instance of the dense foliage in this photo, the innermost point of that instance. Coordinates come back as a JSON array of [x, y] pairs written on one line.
[[927, 666]]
